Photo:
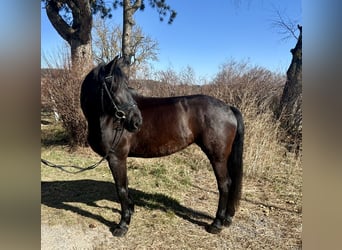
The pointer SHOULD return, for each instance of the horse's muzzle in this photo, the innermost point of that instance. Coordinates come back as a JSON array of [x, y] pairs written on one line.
[[134, 122]]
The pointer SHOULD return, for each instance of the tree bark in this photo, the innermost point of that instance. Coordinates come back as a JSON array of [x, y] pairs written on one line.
[[290, 107], [128, 23], [81, 54]]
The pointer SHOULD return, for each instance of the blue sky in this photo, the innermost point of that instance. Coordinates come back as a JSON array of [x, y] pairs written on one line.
[[205, 34]]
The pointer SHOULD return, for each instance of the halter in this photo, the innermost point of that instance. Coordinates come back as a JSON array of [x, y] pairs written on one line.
[[119, 112]]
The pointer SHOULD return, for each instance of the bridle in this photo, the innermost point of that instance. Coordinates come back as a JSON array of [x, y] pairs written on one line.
[[118, 127], [119, 113]]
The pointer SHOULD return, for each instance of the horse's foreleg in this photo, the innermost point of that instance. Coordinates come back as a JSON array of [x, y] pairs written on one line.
[[119, 171]]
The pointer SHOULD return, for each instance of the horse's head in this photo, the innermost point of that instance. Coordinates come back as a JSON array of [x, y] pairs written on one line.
[[120, 95]]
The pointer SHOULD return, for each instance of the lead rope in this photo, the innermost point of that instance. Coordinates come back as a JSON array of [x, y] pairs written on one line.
[[118, 131]]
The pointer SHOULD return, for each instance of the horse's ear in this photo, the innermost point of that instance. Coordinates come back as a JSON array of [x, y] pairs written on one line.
[[109, 66]]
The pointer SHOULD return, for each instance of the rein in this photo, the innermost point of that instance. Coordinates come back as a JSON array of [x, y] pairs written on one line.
[[120, 115]]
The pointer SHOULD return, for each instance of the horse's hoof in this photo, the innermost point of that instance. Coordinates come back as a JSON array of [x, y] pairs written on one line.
[[227, 221], [213, 229], [119, 231]]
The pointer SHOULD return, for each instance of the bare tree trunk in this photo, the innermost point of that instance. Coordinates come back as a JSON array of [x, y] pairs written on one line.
[[81, 56], [128, 23], [290, 107]]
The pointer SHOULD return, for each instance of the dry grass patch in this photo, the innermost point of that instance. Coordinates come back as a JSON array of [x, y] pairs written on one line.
[[175, 197]]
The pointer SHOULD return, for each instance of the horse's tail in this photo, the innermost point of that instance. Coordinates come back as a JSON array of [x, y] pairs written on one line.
[[235, 166]]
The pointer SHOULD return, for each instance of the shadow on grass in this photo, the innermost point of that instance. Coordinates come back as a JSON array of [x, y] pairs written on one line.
[[257, 203], [56, 193]]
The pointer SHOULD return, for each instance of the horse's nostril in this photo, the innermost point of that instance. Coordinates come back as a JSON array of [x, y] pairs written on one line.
[[136, 125]]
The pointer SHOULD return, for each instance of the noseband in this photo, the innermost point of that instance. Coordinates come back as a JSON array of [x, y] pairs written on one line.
[[119, 113]]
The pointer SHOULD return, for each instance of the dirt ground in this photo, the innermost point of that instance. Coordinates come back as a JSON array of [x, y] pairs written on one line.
[[171, 211]]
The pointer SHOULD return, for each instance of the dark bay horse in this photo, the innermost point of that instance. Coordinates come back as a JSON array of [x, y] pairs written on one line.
[[160, 127]]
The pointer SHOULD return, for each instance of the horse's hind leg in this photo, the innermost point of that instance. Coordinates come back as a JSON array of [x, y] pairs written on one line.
[[220, 169], [230, 212], [119, 171]]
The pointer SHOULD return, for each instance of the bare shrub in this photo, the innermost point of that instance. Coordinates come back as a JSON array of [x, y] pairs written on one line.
[[187, 76], [168, 76], [62, 90], [238, 81], [172, 83]]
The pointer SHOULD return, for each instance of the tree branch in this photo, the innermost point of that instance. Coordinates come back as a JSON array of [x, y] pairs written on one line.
[[61, 26], [287, 27], [82, 18], [136, 5], [163, 9]]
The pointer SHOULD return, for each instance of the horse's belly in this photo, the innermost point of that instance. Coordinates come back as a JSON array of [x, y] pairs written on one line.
[[149, 148]]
